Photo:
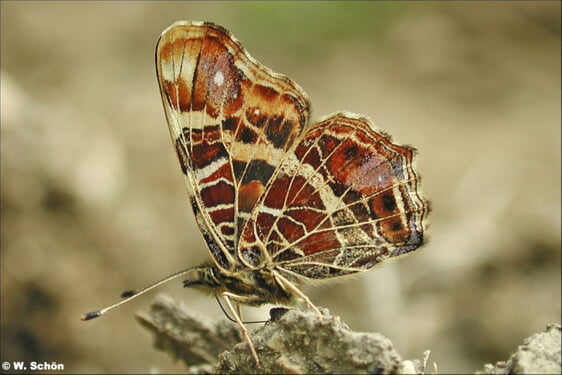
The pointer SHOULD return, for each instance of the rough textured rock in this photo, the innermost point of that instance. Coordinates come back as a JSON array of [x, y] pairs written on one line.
[[188, 336], [539, 354], [292, 341], [299, 342]]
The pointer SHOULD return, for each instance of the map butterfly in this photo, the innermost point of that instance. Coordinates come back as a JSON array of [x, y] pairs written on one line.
[[279, 201]]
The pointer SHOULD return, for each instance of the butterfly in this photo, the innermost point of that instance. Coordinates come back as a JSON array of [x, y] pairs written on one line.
[[279, 201]]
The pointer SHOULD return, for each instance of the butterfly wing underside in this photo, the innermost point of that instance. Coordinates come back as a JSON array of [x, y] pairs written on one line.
[[231, 120], [344, 199]]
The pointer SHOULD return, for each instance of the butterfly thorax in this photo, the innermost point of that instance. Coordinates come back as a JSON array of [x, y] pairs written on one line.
[[252, 287]]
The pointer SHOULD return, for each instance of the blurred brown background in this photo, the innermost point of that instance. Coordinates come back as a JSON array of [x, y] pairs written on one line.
[[92, 199]]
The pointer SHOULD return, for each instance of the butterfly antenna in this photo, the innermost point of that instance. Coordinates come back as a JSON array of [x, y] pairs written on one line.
[[131, 294]]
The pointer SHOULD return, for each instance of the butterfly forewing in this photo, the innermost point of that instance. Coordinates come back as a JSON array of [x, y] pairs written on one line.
[[231, 121], [344, 199]]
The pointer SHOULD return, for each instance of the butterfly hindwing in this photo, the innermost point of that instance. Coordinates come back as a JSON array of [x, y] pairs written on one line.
[[344, 199]]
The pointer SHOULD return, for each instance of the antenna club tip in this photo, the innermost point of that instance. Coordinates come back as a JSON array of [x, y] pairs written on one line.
[[90, 315]]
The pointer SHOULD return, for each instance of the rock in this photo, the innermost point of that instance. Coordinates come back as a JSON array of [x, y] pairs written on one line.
[[539, 354], [292, 341]]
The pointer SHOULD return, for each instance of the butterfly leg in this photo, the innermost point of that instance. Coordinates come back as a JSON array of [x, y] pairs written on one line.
[[239, 311], [285, 283], [236, 313]]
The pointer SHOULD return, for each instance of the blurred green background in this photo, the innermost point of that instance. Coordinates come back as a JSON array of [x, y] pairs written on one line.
[[93, 203]]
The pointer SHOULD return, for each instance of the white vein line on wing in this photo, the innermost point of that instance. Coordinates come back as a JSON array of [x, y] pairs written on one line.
[[347, 226]]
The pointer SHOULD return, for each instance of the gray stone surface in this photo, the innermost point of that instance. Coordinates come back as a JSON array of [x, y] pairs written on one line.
[[299, 341], [292, 341], [187, 335], [539, 354]]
